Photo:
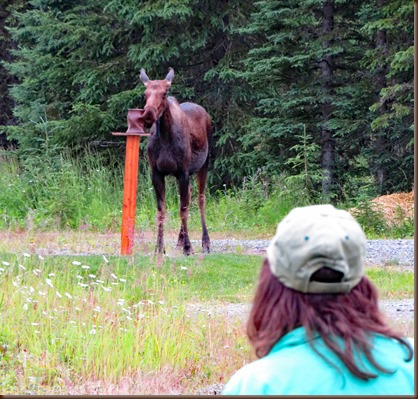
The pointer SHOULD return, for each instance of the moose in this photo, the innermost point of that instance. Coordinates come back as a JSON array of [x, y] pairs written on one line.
[[178, 146]]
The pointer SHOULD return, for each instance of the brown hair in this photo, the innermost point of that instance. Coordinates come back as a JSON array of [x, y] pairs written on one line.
[[353, 317]]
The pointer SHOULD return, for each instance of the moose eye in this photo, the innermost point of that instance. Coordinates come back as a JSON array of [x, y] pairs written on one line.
[[164, 94]]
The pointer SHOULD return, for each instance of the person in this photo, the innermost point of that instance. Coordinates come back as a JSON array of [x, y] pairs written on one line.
[[315, 324]]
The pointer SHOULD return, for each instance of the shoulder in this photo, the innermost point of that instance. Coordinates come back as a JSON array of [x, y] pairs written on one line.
[[172, 101], [249, 380]]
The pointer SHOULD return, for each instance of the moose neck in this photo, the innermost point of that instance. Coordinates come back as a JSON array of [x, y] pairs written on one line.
[[164, 125]]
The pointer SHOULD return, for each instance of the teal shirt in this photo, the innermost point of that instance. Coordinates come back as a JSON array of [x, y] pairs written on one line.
[[293, 368]]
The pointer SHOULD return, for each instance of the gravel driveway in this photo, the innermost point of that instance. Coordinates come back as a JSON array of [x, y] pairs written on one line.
[[378, 252]]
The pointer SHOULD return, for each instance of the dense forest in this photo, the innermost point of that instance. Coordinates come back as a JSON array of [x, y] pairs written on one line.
[[320, 91]]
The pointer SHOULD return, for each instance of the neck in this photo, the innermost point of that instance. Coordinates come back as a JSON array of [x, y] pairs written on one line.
[[164, 124]]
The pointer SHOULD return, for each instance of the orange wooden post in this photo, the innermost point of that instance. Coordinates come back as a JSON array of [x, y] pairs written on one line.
[[133, 134]]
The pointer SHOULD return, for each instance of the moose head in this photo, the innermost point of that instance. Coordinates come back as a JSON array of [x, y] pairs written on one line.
[[155, 96]]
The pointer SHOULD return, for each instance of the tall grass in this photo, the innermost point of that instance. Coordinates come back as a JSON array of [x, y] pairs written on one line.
[[67, 322], [66, 319], [86, 193]]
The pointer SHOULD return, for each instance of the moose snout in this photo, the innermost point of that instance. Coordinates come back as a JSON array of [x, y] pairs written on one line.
[[149, 116]]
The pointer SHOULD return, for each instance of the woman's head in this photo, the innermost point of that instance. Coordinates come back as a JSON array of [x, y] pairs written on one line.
[[278, 309], [311, 238], [313, 277]]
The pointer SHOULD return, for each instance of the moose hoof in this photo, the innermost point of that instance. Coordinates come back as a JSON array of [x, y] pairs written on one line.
[[160, 251], [187, 251]]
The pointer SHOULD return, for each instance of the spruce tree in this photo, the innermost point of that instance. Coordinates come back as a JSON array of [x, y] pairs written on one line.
[[79, 64], [388, 63], [306, 73]]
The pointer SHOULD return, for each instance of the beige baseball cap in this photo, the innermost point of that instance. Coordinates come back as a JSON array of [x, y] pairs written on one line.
[[312, 237]]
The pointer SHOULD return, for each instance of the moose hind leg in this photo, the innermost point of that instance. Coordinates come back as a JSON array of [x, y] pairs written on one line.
[[201, 182], [185, 194], [159, 188]]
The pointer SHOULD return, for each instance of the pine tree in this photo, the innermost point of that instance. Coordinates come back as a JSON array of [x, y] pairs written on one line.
[[6, 79], [389, 65], [305, 72], [79, 65]]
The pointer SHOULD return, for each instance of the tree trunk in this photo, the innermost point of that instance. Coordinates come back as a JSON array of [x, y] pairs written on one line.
[[327, 68], [381, 83]]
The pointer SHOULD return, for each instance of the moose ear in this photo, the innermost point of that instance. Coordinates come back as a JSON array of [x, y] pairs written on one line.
[[170, 75], [144, 77]]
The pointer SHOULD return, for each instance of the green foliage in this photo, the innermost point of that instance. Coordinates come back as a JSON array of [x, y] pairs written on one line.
[[306, 153], [261, 69], [389, 62], [370, 218]]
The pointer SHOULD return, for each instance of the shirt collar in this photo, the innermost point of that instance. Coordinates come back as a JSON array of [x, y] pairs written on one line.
[[295, 337]]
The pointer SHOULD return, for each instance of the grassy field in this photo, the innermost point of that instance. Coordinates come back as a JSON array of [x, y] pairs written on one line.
[[118, 325], [94, 324]]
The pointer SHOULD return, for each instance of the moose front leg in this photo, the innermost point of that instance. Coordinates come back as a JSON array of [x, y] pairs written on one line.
[[159, 188], [185, 194]]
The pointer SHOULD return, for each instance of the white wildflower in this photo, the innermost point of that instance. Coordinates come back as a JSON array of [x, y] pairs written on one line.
[[35, 272], [35, 324], [129, 317], [82, 285], [49, 282], [97, 309], [114, 276], [183, 268], [68, 295], [51, 274], [92, 331], [41, 257], [107, 289], [26, 255], [79, 277], [92, 276], [25, 306], [100, 281], [105, 259], [161, 302], [85, 267], [5, 263], [42, 293], [76, 263], [21, 266], [58, 294], [150, 302]]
